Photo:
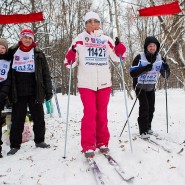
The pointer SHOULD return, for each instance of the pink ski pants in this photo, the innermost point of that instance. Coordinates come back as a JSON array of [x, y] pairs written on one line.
[[94, 129]]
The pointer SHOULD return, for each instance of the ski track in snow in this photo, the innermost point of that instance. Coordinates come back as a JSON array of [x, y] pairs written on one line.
[[149, 163]]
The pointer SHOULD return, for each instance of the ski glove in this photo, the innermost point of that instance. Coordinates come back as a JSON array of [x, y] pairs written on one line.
[[71, 55], [2, 101], [49, 96], [117, 41], [148, 67], [165, 66], [1, 106], [119, 49], [2, 120]]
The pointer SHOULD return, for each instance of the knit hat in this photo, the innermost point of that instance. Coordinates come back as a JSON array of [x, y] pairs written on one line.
[[28, 33], [149, 40], [91, 15], [4, 43]]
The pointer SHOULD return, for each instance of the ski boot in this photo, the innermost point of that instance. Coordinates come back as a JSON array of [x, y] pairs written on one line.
[[104, 149], [89, 154], [145, 135], [42, 145], [12, 151]]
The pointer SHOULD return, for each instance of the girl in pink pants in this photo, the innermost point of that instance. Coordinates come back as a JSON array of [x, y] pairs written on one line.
[[91, 51]]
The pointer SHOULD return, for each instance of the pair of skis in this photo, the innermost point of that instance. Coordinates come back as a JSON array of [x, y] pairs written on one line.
[[99, 175], [151, 141]]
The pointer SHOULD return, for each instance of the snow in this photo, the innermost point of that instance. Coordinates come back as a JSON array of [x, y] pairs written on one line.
[[150, 164]]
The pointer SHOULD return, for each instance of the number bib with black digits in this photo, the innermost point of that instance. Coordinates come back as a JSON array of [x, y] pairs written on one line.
[[4, 68], [95, 51], [24, 61], [96, 54]]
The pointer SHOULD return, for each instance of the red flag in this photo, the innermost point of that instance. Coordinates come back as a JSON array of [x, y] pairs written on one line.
[[161, 10], [21, 18]]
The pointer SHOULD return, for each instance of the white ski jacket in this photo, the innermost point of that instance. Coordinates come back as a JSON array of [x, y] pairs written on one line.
[[92, 58]]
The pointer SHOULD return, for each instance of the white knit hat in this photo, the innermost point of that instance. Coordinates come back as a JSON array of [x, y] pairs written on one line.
[[91, 15]]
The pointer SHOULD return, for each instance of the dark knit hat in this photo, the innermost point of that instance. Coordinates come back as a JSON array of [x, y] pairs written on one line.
[[4, 43]]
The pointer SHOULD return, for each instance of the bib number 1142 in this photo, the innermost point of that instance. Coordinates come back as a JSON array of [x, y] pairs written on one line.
[[100, 52]]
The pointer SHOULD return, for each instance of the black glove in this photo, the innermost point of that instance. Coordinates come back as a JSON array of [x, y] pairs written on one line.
[[1, 106], [117, 41], [2, 120], [2, 101], [73, 48], [164, 59], [148, 67], [49, 96], [165, 66]]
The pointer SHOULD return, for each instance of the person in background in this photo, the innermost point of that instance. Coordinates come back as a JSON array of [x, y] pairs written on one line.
[[30, 85], [91, 51], [146, 69], [4, 82]]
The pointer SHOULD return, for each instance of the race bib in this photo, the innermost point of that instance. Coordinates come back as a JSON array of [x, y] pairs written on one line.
[[95, 51], [151, 76], [4, 68], [24, 61]]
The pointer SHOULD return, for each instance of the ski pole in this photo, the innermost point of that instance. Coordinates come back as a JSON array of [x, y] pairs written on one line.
[[67, 116], [129, 94], [125, 97], [166, 100], [56, 99], [49, 107], [129, 115], [133, 106]]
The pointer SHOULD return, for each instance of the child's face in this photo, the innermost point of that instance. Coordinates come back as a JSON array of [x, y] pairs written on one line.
[[2, 49]]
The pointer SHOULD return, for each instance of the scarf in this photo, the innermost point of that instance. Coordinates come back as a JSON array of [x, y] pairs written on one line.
[[25, 48]]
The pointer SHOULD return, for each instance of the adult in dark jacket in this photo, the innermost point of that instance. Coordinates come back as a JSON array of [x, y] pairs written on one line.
[[146, 69], [4, 82], [31, 84]]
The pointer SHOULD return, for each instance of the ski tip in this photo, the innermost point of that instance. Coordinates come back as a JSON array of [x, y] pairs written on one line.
[[181, 150], [129, 179]]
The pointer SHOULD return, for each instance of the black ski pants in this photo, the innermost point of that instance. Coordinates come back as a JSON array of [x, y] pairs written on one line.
[[19, 111], [0, 136], [146, 109], [1, 123]]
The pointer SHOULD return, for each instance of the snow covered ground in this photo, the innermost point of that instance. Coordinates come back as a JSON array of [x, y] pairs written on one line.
[[150, 164]]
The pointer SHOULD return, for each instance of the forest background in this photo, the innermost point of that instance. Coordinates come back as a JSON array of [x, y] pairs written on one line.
[[119, 18]]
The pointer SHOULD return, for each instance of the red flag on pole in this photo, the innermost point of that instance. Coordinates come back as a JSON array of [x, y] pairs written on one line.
[[21, 18], [161, 10]]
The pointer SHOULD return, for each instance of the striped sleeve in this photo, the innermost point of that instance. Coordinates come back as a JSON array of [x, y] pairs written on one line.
[[77, 42], [136, 69], [111, 47]]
